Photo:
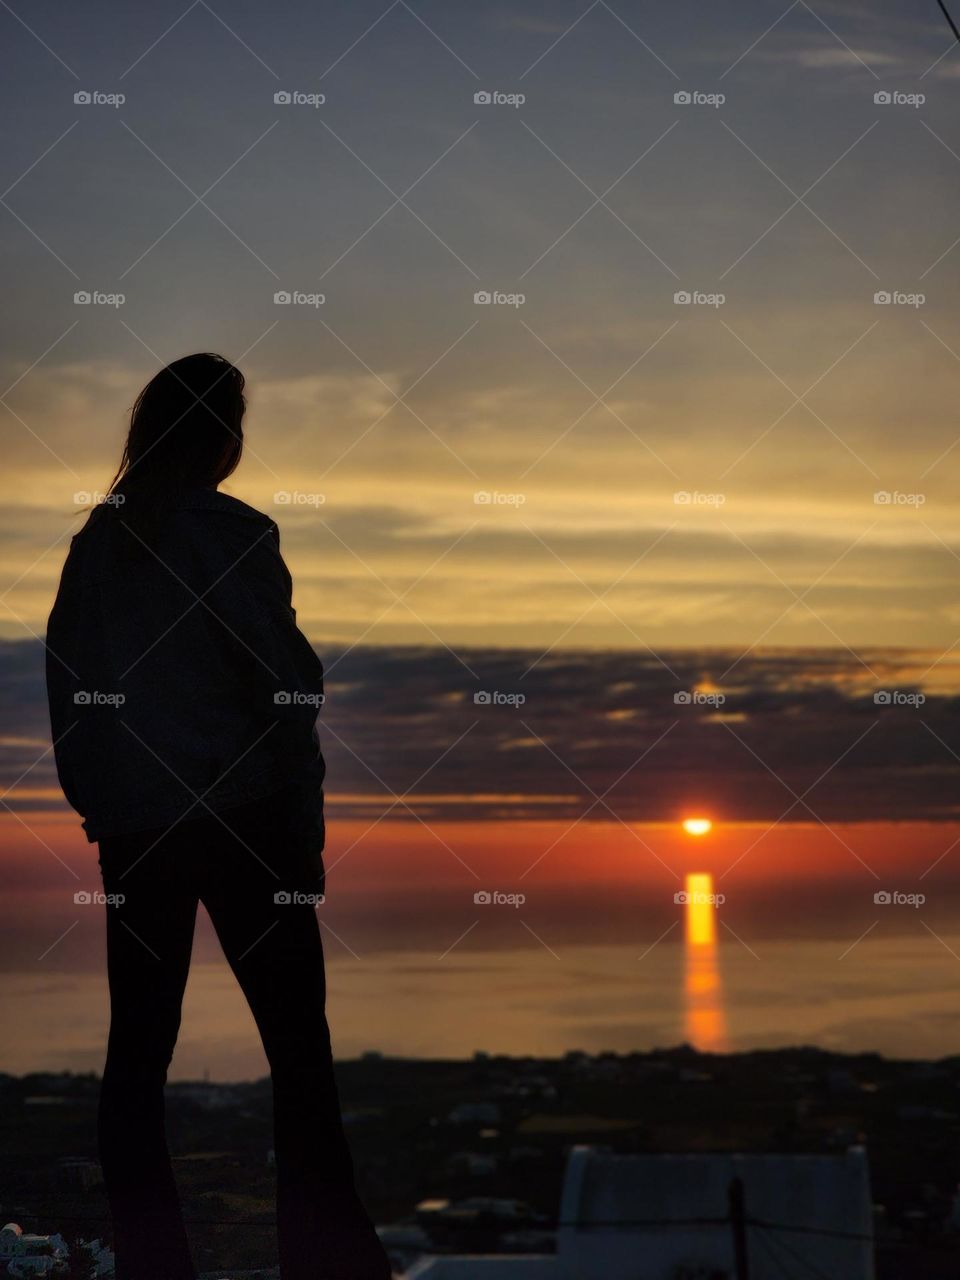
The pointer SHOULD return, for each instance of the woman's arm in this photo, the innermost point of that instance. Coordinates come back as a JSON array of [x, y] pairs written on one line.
[[249, 593]]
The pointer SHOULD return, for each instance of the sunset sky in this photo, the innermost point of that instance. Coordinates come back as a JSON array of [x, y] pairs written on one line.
[[598, 496], [697, 399]]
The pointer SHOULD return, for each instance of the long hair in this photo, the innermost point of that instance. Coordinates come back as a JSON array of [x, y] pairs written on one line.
[[186, 432]]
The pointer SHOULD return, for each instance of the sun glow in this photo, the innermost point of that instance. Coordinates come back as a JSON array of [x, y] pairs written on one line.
[[697, 826], [705, 1021], [701, 912]]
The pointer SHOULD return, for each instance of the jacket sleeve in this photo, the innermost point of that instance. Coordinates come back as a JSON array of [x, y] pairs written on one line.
[[249, 594], [62, 679]]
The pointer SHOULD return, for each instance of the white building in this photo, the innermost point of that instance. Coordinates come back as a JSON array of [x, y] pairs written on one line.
[[627, 1217], [103, 1258], [24, 1254]]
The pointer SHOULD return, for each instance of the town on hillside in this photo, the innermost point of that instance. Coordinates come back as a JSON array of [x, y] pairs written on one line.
[[790, 1161]]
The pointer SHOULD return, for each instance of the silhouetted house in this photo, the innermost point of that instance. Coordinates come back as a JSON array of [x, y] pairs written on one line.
[[103, 1258], [24, 1254], [656, 1217]]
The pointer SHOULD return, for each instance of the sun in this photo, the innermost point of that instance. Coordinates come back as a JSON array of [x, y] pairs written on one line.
[[697, 826]]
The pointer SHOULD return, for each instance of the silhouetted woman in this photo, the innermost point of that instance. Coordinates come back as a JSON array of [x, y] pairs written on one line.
[[183, 701]]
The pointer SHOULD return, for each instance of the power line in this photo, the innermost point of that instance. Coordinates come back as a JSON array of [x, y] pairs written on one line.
[[777, 1262], [646, 1222], [810, 1231], [649, 1223], [805, 1263], [657, 1224], [946, 14]]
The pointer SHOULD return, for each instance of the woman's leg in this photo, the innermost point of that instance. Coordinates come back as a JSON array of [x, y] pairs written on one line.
[[149, 939], [275, 950]]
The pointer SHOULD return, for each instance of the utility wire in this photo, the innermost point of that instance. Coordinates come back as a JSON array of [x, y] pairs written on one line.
[[775, 1257], [805, 1263], [946, 14], [651, 1223], [810, 1231], [658, 1224]]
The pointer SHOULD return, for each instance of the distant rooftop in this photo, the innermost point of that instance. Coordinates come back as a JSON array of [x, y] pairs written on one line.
[[670, 1214]]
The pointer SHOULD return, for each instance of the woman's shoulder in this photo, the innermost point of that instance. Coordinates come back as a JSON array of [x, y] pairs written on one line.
[[215, 502], [226, 533], [201, 501]]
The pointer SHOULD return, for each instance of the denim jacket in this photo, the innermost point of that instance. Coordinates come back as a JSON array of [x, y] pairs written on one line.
[[177, 678]]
